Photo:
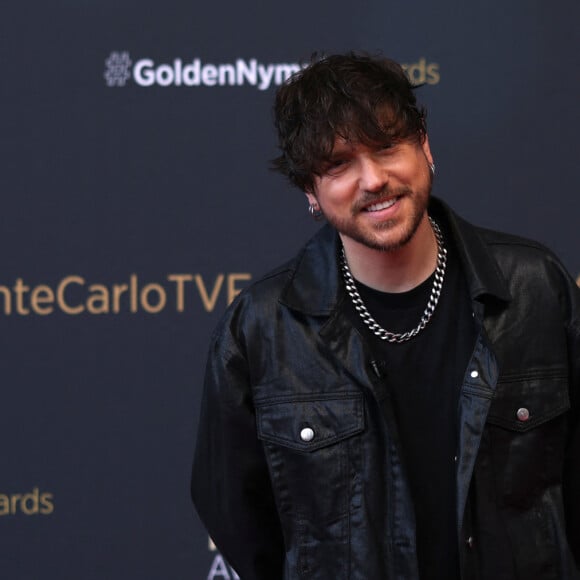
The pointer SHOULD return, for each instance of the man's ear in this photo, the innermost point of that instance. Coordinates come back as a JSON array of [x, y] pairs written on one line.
[[427, 150], [311, 198]]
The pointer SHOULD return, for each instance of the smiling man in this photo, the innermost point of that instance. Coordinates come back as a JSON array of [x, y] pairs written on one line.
[[400, 401]]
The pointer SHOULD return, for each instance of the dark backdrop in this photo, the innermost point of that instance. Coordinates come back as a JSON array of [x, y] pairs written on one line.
[[137, 200]]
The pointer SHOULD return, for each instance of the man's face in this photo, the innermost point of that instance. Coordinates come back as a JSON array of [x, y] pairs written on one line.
[[376, 196]]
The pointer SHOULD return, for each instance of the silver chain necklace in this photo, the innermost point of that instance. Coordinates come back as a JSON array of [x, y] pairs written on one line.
[[375, 327]]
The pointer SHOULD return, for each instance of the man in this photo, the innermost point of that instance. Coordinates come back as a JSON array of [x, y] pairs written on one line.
[[400, 401]]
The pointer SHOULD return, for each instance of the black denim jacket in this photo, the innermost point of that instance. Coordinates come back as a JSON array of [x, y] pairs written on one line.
[[297, 472]]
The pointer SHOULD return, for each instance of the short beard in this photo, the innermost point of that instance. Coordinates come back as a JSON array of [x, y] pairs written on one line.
[[403, 240], [346, 228]]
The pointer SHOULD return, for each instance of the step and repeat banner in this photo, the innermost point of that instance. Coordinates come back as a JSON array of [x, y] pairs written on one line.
[[137, 202]]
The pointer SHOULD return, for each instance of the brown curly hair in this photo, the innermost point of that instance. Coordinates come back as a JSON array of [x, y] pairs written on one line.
[[362, 98]]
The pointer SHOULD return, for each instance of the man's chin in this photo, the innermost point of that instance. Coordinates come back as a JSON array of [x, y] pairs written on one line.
[[380, 243], [387, 236]]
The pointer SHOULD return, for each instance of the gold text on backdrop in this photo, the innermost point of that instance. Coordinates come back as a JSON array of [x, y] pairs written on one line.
[[74, 295], [30, 504]]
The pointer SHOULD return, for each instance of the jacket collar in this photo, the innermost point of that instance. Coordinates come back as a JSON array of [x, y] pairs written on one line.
[[482, 272], [315, 287]]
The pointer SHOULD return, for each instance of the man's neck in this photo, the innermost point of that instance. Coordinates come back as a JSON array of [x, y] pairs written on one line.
[[398, 270]]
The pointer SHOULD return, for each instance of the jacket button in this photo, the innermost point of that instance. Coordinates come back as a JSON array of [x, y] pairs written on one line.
[[470, 542], [307, 434], [523, 414], [474, 374]]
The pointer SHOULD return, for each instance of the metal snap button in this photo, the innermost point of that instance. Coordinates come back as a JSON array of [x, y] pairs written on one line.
[[307, 434], [474, 374], [470, 542], [523, 414]]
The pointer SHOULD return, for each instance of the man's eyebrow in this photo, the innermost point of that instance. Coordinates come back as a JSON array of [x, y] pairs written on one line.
[[338, 150]]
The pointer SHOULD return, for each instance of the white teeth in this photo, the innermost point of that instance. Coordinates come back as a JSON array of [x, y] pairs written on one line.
[[382, 205]]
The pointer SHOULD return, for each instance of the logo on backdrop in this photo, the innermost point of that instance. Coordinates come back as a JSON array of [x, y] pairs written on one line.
[[422, 72], [33, 503], [76, 295], [120, 69], [219, 567], [146, 72]]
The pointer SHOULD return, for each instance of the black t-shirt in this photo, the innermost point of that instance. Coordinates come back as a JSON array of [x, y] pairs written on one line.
[[424, 376]]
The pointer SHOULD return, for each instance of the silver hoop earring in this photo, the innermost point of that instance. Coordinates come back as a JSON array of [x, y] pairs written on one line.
[[315, 211]]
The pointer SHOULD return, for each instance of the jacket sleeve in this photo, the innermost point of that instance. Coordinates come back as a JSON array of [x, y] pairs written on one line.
[[572, 467], [230, 483]]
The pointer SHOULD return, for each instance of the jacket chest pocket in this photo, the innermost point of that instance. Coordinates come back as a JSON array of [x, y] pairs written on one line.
[[527, 433], [311, 443]]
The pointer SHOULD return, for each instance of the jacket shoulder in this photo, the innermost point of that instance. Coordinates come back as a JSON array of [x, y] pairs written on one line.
[[508, 247], [258, 302], [267, 288], [495, 237], [530, 267]]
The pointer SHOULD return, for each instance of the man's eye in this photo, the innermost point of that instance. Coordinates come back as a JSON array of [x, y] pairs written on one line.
[[335, 165]]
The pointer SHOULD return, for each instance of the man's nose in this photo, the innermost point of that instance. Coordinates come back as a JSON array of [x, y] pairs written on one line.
[[373, 175]]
